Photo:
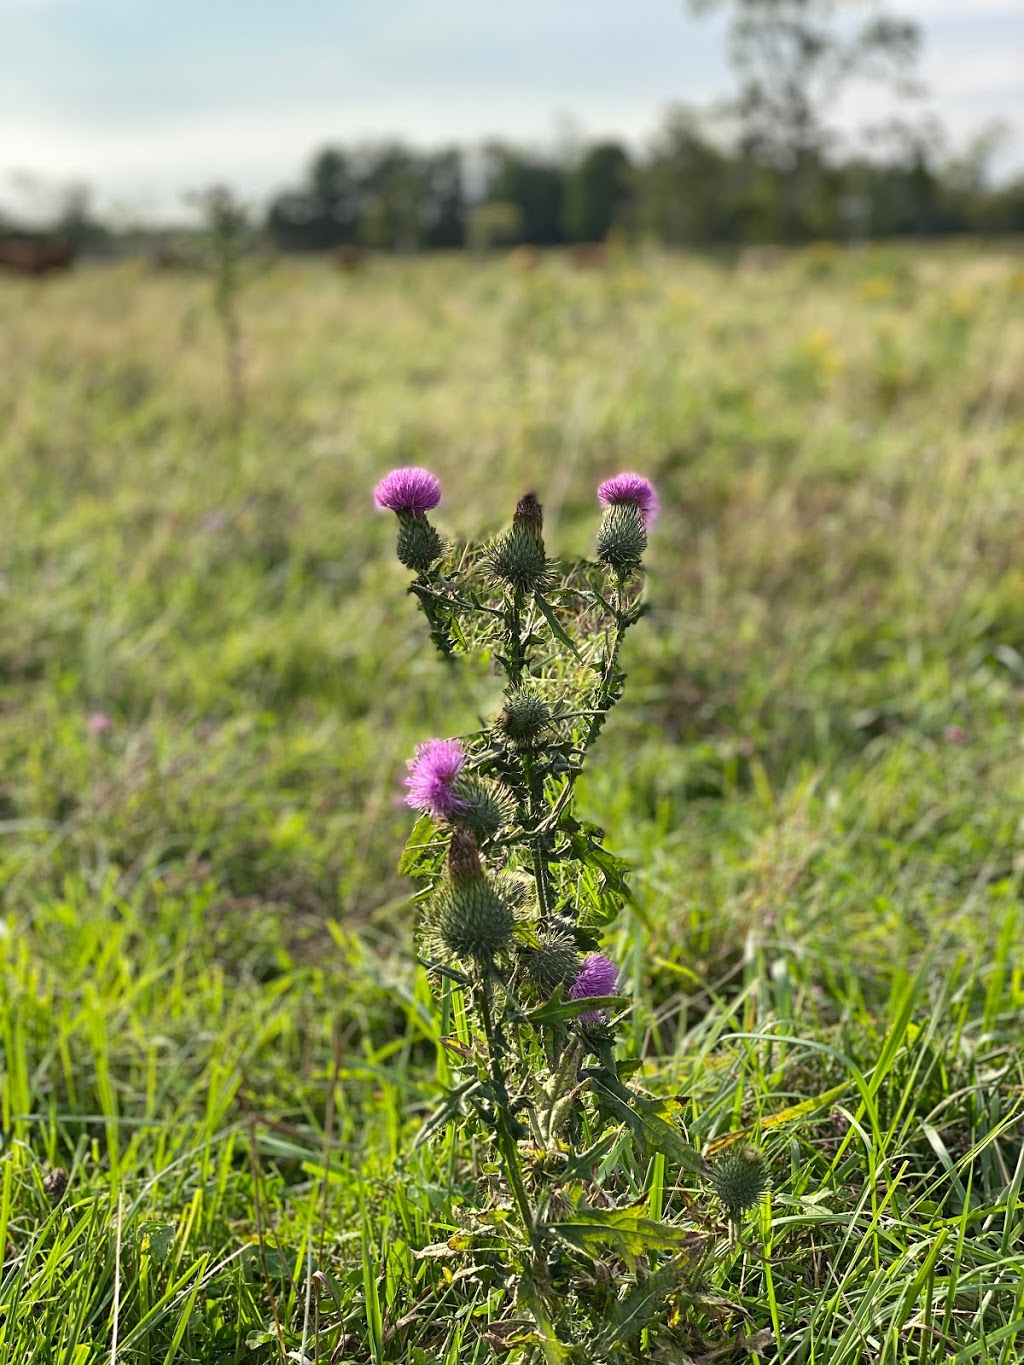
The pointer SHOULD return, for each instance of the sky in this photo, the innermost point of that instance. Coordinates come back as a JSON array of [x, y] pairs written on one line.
[[145, 100]]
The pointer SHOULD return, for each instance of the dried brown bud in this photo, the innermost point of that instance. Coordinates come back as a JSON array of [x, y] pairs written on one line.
[[463, 859], [55, 1182], [529, 513]]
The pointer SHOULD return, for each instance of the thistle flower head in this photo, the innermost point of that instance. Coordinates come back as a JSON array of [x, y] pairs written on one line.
[[634, 489], [433, 770], [410, 489], [597, 976]]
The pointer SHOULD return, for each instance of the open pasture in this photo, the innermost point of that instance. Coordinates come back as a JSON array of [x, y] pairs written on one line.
[[210, 680]]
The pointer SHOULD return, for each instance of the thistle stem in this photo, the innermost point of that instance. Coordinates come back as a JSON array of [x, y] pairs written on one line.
[[539, 844], [506, 1137]]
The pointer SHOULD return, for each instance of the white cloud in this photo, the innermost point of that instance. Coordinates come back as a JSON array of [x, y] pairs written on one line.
[[968, 10]]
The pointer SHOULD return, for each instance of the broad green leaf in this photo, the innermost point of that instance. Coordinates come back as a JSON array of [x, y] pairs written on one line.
[[643, 1304], [644, 1117], [624, 1229], [421, 849]]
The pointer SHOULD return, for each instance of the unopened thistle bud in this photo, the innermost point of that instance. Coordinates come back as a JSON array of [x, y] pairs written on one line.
[[554, 963], [473, 921], [517, 556], [484, 807], [523, 719], [622, 540], [739, 1179]]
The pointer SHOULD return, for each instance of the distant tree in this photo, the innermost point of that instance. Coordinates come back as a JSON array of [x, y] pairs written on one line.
[[535, 187], [442, 207], [682, 190], [335, 196], [392, 182], [495, 224], [794, 59], [596, 190], [324, 213]]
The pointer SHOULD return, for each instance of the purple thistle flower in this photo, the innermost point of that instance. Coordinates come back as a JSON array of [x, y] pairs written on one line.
[[598, 975], [632, 488], [432, 773], [408, 490]]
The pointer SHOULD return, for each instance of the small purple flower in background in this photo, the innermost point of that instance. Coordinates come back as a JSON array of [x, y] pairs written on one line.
[[432, 773], [99, 723], [597, 976], [408, 490], [632, 488]]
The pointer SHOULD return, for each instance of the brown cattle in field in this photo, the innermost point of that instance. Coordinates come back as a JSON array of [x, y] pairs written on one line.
[[348, 258], [27, 257], [589, 255]]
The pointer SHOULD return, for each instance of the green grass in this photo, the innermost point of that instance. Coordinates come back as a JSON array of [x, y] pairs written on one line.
[[211, 1012]]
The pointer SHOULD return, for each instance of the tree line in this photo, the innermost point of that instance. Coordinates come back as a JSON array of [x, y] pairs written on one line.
[[767, 167], [688, 190]]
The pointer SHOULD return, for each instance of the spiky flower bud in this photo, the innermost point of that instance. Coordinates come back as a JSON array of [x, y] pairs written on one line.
[[622, 539], [554, 963], [517, 556], [473, 921], [739, 1178], [523, 719], [463, 859], [484, 806], [419, 545]]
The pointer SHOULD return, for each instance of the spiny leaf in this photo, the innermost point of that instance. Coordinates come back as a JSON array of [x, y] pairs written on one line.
[[624, 1229]]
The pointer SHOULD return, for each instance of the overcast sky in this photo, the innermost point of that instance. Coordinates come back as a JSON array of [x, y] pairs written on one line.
[[145, 99]]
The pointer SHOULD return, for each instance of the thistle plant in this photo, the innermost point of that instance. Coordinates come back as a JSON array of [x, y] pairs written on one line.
[[517, 897], [226, 230]]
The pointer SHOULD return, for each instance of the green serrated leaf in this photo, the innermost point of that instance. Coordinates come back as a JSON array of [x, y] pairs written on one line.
[[641, 1306], [644, 1116], [449, 1108], [421, 849], [557, 629], [556, 1012], [624, 1229]]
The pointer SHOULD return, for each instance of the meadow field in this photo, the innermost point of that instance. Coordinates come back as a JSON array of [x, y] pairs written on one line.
[[211, 676]]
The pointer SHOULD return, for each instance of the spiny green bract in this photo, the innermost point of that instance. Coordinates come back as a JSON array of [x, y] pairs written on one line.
[[551, 964], [517, 557], [486, 808], [739, 1178], [472, 920], [622, 540], [419, 545], [524, 718]]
